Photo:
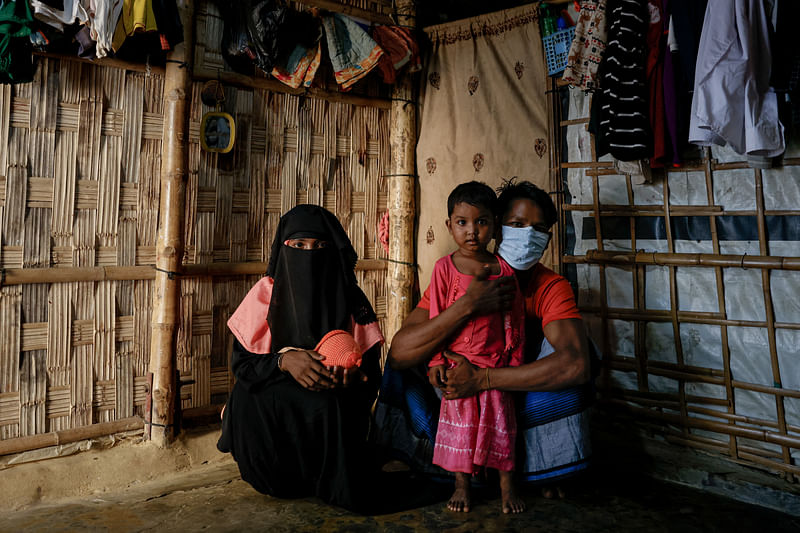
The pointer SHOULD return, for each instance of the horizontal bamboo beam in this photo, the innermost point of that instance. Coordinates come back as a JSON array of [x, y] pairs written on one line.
[[65, 436], [691, 317], [699, 423], [768, 262], [253, 82], [336, 7], [235, 79], [30, 276], [106, 62]]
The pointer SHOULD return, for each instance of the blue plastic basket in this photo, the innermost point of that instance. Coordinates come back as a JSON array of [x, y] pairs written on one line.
[[556, 49]]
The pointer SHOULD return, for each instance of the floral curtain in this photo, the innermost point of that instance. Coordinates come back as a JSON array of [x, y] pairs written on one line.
[[483, 116]]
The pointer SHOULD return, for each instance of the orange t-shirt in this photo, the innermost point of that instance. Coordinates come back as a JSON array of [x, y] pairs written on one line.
[[548, 297]]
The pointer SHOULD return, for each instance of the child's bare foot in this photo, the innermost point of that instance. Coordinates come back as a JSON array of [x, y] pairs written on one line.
[[511, 502], [553, 492], [460, 499]]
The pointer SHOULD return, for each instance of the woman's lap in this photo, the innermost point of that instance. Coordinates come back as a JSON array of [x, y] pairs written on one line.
[[292, 442]]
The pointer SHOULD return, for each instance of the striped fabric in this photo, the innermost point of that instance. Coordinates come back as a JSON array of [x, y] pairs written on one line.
[[624, 127]]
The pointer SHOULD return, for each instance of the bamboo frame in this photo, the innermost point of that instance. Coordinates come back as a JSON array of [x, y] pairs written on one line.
[[169, 248], [684, 411]]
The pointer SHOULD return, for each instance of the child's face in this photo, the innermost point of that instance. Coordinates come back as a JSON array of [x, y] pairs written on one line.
[[471, 226]]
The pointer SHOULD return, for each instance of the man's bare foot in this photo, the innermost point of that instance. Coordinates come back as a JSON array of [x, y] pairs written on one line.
[[553, 492], [460, 500], [511, 502]]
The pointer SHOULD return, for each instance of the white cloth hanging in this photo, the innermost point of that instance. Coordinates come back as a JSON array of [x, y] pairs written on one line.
[[732, 101]]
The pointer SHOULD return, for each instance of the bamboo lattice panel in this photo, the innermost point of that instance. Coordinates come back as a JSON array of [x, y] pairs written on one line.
[[79, 171], [690, 286]]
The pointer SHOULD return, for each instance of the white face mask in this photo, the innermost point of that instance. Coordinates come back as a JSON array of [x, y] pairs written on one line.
[[522, 247]]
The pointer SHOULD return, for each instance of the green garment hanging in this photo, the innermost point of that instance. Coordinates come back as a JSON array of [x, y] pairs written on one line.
[[16, 26]]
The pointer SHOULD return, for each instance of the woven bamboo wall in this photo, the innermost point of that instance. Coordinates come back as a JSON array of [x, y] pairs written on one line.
[[79, 170], [693, 369], [80, 166]]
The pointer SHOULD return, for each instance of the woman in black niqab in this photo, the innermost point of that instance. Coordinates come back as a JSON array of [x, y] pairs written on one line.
[[293, 430]]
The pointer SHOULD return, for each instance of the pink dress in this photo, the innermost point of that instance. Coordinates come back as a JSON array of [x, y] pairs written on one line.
[[481, 430]]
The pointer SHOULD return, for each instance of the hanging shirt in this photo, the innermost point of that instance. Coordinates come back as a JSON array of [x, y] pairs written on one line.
[[588, 46], [733, 102], [620, 107]]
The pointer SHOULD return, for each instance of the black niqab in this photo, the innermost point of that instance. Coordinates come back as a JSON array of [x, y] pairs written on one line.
[[315, 291]]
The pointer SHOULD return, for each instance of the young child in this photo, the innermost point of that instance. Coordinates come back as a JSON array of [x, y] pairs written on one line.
[[479, 431]]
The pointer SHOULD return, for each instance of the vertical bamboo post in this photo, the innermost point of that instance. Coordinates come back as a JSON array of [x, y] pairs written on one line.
[[402, 189], [169, 246]]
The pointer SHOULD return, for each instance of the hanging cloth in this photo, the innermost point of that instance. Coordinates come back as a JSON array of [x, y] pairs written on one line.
[[16, 26], [301, 67], [353, 52], [400, 50], [620, 106], [656, 44], [137, 16], [733, 102], [62, 13], [588, 46]]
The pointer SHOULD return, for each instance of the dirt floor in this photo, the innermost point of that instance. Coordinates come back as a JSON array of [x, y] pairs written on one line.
[[191, 487]]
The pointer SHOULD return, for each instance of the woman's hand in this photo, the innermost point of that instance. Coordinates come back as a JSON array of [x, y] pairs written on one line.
[[464, 379], [346, 377], [437, 376], [307, 370]]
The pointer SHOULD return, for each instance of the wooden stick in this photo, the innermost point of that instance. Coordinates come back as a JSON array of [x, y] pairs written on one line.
[[699, 423], [254, 82], [54, 438], [370, 16], [770, 312], [169, 246], [733, 445], [767, 262], [402, 187], [31, 276]]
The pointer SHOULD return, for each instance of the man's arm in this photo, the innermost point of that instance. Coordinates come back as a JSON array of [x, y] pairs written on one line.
[[420, 337], [567, 366]]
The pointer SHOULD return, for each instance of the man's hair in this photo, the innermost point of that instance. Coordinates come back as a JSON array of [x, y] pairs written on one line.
[[512, 189], [474, 193]]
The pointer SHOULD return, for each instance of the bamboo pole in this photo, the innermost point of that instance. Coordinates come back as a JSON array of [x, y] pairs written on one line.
[[767, 262], [169, 247], [54, 438], [402, 188], [241, 80], [33, 276], [700, 423]]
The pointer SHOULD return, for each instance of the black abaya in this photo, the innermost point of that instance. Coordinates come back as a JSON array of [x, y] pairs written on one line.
[[293, 442]]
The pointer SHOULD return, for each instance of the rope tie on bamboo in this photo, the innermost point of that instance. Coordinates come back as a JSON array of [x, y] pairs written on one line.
[[406, 263], [181, 64], [170, 274], [741, 264], [156, 424]]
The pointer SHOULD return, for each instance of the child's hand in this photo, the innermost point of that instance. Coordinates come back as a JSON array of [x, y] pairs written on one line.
[[346, 377], [437, 376]]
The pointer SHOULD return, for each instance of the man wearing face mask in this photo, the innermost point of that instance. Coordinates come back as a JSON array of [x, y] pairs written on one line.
[[554, 382]]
